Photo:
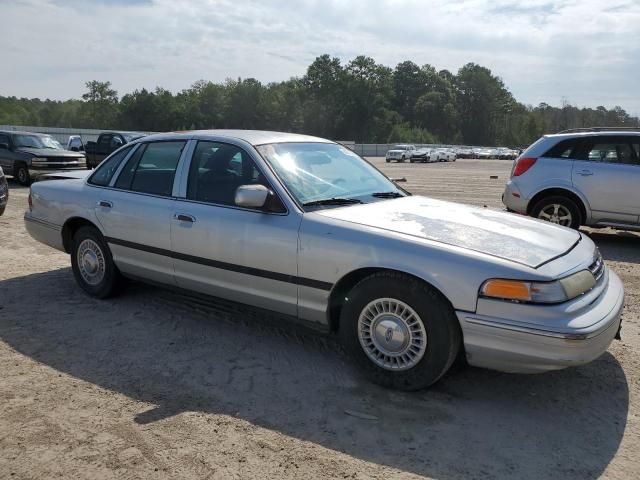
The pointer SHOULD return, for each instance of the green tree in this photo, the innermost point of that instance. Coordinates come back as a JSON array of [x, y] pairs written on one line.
[[101, 102]]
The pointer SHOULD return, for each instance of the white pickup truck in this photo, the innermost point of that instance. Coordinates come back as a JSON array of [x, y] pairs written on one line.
[[400, 153]]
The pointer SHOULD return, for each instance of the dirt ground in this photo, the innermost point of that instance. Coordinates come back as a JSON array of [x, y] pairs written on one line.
[[154, 385]]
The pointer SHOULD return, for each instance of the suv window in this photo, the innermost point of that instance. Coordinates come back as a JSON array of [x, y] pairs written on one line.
[[564, 149], [152, 168], [217, 170], [102, 176], [4, 139], [614, 150]]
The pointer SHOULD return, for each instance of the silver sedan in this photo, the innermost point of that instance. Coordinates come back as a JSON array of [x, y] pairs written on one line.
[[305, 227]]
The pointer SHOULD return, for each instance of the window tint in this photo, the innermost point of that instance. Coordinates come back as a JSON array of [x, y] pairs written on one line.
[[152, 169], [563, 149], [102, 176], [613, 152], [217, 170], [4, 138], [105, 139]]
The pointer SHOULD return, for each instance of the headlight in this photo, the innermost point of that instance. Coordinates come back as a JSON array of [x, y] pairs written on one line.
[[539, 292]]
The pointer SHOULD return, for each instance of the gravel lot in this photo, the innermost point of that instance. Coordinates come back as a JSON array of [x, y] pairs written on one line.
[[151, 384]]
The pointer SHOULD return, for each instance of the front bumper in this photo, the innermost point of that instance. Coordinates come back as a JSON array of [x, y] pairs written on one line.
[[522, 347]]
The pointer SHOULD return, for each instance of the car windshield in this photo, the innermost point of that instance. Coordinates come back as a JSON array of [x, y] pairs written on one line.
[[37, 141], [400, 147], [315, 172]]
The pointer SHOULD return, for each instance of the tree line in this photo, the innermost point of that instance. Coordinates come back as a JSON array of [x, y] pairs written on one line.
[[361, 100]]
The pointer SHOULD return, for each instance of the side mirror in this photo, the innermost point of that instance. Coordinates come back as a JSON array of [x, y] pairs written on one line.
[[4, 146], [251, 196]]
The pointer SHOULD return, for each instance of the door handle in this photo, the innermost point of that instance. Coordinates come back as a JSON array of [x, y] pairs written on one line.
[[585, 173], [105, 204], [183, 217]]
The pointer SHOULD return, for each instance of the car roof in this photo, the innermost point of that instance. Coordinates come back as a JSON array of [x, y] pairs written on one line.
[[253, 137], [615, 133], [22, 132]]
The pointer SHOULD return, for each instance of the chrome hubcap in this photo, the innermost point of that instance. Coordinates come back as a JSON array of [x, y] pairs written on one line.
[[22, 175], [91, 262], [392, 334], [556, 213]]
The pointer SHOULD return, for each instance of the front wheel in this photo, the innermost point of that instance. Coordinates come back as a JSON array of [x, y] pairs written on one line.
[[22, 174], [400, 330], [559, 210], [92, 263]]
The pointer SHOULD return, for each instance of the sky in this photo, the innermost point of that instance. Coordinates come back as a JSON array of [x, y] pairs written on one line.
[[585, 52]]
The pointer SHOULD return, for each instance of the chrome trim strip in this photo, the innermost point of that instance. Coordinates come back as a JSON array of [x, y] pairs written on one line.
[[44, 223]]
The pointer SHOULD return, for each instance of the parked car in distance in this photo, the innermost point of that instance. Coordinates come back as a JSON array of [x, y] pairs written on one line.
[[400, 153], [4, 192], [443, 155], [421, 155], [305, 227], [107, 143], [579, 178], [25, 155], [75, 143], [464, 152]]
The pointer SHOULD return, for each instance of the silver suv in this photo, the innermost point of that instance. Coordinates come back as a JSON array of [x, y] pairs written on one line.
[[587, 176]]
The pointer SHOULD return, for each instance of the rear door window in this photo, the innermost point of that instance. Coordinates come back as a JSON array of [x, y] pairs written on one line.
[[102, 176], [617, 150], [152, 169]]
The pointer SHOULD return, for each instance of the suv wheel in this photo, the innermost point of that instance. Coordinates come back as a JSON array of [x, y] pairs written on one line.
[[401, 332], [559, 210], [22, 174]]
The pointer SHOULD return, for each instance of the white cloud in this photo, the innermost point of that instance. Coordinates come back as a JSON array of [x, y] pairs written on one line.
[[545, 50]]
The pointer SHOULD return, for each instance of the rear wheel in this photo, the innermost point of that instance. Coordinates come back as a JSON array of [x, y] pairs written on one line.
[[401, 331], [22, 174], [92, 263], [559, 210]]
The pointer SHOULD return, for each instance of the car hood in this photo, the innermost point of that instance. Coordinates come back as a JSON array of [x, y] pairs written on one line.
[[504, 235], [49, 152]]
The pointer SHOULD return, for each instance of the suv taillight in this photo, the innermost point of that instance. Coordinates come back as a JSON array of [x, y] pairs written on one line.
[[522, 165]]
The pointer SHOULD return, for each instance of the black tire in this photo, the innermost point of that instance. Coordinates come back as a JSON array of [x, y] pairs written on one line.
[[21, 174], [411, 160], [110, 280], [388, 161], [440, 323], [566, 202]]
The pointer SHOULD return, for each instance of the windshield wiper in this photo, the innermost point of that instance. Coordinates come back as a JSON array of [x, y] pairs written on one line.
[[332, 201], [387, 195]]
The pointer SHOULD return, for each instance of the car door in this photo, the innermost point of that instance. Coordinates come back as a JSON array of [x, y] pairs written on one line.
[[607, 173], [241, 254], [135, 211]]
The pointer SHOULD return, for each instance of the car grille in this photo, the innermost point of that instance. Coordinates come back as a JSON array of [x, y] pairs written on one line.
[[597, 268]]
